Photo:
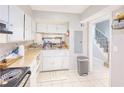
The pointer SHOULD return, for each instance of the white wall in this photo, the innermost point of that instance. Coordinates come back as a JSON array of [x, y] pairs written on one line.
[[117, 57], [26, 9], [92, 10], [74, 25], [95, 12]]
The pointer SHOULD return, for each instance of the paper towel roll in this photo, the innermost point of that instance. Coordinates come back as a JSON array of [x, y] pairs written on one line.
[[21, 51]]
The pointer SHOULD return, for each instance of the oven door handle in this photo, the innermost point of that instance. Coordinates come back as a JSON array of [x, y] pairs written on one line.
[[26, 80]]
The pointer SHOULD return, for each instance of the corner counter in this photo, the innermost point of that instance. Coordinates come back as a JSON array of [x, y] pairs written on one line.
[[27, 60]]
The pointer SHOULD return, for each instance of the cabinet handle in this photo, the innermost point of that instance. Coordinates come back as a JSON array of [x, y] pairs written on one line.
[[11, 24]]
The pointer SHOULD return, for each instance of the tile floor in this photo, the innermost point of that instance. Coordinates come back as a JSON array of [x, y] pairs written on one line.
[[70, 78]]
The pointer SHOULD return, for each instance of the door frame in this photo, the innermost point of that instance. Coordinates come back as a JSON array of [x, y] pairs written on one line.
[[90, 37]]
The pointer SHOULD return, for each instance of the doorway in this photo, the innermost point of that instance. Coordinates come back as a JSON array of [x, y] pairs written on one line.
[[101, 38], [99, 45], [99, 41]]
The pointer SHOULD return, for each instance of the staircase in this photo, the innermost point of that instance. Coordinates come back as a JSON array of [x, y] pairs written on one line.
[[101, 41]]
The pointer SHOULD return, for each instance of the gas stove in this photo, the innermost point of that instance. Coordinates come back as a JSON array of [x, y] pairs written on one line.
[[12, 77]]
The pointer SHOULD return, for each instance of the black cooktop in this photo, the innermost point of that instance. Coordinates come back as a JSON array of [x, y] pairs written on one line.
[[11, 77]]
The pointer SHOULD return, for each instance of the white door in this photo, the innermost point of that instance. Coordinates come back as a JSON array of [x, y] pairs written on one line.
[[16, 24], [78, 42], [4, 13]]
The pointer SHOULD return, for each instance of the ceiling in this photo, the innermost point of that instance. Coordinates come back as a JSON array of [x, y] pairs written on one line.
[[76, 9]]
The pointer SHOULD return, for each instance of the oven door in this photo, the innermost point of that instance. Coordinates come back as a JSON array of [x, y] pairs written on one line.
[[25, 80]]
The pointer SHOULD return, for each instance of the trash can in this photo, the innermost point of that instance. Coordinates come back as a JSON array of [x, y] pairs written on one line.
[[82, 63]]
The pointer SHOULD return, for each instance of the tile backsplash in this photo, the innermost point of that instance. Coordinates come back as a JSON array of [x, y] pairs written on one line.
[[8, 47]]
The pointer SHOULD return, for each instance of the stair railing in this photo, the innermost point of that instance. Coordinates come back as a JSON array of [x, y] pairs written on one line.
[[102, 39]]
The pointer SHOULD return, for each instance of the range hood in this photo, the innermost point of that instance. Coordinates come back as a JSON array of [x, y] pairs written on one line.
[[3, 29], [5, 32]]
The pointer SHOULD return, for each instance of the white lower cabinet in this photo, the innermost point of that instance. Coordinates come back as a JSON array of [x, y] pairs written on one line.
[[54, 61], [58, 61], [65, 63], [47, 63], [35, 70]]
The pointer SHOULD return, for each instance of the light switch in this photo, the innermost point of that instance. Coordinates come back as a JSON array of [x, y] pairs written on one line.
[[115, 49]]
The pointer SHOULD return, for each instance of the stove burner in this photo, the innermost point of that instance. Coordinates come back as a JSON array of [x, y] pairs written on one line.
[[11, 75]]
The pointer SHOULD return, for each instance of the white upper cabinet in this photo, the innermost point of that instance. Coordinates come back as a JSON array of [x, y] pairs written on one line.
[[4, 13], [42, 28], [4, 18], [61, 28], [33, 28], [28, 31], [16, 24], [51, 28]]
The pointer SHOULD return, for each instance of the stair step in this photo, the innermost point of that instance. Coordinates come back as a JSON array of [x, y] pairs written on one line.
[[103, 51]]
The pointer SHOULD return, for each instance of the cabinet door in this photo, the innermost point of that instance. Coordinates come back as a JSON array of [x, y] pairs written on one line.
[[65, 63], [33, 26], [28, 32], [57, 63], [16, 23], [48, 63], [42, 28], [51, 29], [61, 28], [3, 18], [4, 13]]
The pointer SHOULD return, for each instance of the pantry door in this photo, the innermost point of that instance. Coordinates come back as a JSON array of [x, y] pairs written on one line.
[[78, 42]]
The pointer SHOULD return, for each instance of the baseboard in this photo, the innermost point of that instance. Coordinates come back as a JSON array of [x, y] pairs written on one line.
[[54, 70]]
